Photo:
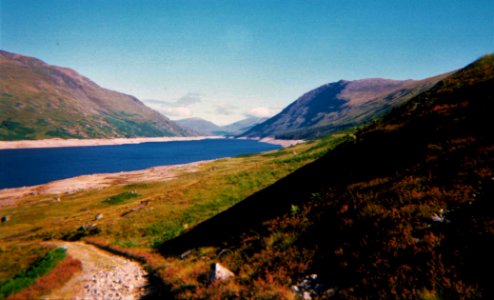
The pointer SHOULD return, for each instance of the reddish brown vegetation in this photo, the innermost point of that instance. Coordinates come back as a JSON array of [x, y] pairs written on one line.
[[55, 279], [404, 212]]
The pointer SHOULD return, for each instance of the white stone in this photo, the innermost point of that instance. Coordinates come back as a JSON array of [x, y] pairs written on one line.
[[218, 272], [307, 296]]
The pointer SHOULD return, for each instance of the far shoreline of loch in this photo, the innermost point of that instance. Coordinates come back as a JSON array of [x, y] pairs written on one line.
[[59, 143]]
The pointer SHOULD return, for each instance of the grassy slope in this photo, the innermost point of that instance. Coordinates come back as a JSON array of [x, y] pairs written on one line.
[[18, 256], [39, 268], [362, 216], [147, 214], [29, 270], [170, 208]]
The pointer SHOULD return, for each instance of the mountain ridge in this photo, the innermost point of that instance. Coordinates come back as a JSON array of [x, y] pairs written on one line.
[[207, 127], [339, 105], [39, 100]]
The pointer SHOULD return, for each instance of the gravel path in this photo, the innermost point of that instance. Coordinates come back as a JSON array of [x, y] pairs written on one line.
[[103, 276]]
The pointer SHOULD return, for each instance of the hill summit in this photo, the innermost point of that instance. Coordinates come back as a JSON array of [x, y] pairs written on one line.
[[339, 105], [40, 101]]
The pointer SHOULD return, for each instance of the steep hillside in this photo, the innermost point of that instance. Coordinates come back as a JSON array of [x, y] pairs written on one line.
[[339, 105], [209, 128], [404, 211], [38, 101]]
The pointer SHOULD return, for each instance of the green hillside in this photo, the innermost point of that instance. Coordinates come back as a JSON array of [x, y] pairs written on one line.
[[40, 101]]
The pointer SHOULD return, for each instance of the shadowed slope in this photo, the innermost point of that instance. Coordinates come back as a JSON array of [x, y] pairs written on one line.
[[404, 211]]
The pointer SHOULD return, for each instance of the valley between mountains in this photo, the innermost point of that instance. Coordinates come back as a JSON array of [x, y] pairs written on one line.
[[390, 196]]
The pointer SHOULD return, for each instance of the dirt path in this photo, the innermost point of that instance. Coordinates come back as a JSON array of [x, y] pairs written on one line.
[[103, 276]]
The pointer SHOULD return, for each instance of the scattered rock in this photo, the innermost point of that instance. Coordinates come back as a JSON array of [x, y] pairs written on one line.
[[185, 254], [309, 287], [223, 252], [439, 217], [6, 218], [218, 272], [98, 216], [329, 293], [143, 204], [307, 296]]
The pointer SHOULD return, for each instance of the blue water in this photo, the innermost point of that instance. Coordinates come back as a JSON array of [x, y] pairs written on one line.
[[26, 167]]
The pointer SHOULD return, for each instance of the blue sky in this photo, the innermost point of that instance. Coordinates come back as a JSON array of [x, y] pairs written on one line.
[[223, 60]]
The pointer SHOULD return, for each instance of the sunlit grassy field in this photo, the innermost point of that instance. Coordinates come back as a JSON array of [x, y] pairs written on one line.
[[146, 214]]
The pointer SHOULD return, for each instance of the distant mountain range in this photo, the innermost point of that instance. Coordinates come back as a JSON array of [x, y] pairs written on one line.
[[39, 101], [209, 128], [339, 105]]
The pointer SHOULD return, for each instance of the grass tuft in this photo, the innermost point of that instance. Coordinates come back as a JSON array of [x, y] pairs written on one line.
[[39, 268], [121, 198]]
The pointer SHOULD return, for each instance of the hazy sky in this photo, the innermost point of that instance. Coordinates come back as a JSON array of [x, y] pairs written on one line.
[[223, 60]]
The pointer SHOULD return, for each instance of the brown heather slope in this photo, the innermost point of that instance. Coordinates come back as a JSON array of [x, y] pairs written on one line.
[[405, 211], [40, 101], [340, 105]]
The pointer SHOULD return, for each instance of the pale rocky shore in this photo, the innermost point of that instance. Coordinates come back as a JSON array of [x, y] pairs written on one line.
[[282, 143], [12, 196], [58, 143]]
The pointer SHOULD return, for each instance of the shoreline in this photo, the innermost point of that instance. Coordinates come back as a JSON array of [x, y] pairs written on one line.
[[282, 143], [61, 143], [11, 196]]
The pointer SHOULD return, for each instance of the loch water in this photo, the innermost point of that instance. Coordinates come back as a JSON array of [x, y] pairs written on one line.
[[27, 167]]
